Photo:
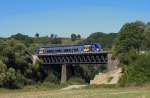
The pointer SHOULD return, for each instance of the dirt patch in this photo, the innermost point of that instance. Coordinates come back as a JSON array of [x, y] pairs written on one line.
[[73, 87]]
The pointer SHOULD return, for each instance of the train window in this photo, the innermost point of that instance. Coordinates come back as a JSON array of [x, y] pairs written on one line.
[[76, 50], [50, 51], [70, 50], [58, 50], [87, 48], [65, 50]]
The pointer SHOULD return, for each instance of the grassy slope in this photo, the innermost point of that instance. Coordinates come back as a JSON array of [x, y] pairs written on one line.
[[65, 41], [68, 41], [82, 93]]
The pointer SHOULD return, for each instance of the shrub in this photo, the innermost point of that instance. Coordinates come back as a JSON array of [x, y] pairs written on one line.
[[51, 78], [3, 69], [137, 72], [56, 41], [14, 79], [87, 72], [75, 80]]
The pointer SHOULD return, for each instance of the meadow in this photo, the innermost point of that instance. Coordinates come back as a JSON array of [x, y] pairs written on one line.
[[80, 93]]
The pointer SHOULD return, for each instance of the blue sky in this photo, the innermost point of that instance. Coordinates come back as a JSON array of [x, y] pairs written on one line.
[[64, 17]]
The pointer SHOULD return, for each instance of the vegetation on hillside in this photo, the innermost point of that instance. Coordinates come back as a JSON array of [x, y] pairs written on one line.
[[106, 40], [15, 63], [17, 70], [131, 45], [132, 49]]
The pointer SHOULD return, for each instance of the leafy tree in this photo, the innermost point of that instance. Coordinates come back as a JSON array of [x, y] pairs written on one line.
[[137, 72], [3, 70], [10, 78], [86, 72], [79, 36], [37, 35], [14, 79], [130, 37], [73, 37], [23, 38], [18, 60], [133, 38], [56, 41], [19, 36], [52, 35], [106, 40], [146, 42]]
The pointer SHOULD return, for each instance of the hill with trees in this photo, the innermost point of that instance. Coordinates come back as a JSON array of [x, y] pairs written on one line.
[[106, 40], [132, 49], [130, 45], [17, 69]]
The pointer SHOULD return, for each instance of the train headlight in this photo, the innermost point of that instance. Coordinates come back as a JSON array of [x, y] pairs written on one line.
[[98, 49]]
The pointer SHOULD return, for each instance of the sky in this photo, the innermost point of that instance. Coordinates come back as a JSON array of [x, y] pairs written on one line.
[[63, 17]]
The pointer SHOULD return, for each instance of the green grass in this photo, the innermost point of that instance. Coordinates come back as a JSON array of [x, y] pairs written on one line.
[[80, 93], [68, 41]]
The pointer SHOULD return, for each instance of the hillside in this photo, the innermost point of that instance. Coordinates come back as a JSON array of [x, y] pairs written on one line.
[[106, 40], [16, 57], [16, 60]]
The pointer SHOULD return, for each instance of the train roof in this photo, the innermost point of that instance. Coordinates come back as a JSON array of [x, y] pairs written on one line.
[[61, 46], [64, 46]]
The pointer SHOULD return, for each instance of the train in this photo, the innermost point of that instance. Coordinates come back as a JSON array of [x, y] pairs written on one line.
[[68, 49]]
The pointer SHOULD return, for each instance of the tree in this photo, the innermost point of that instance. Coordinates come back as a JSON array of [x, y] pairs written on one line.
[[137, 72], [52, 35], [17, 60], [133, 38], [106, 40], [79, 36], [3, 70], [73, 37], [19, 36], [23, 38], [37, 35], [130, 37], [56, 41], [146, 42], [13, 79]]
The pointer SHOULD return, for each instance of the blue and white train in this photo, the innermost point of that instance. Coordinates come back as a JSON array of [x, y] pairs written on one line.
[[68, 49]]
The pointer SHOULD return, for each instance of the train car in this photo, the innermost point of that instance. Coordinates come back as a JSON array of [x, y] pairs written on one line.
[[68, 49]]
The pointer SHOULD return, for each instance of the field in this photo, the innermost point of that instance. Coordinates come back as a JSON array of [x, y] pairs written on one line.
[[81, 93]]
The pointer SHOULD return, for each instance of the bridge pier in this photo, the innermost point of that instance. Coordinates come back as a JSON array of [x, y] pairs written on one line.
[[63, 73], [112, 63]]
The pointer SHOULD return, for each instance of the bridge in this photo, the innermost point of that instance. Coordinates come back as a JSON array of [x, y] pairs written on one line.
[[103, 57], [74, 58]]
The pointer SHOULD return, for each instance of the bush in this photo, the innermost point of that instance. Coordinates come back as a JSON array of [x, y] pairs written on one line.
[[3, 70], [56, 41], [75, 80], [137, 72], [14, 79], [106, 40], [73, 37], [87, 72], [51, 78]]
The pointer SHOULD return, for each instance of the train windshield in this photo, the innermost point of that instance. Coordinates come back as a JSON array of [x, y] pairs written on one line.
[[97, 46], [41, 51]]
